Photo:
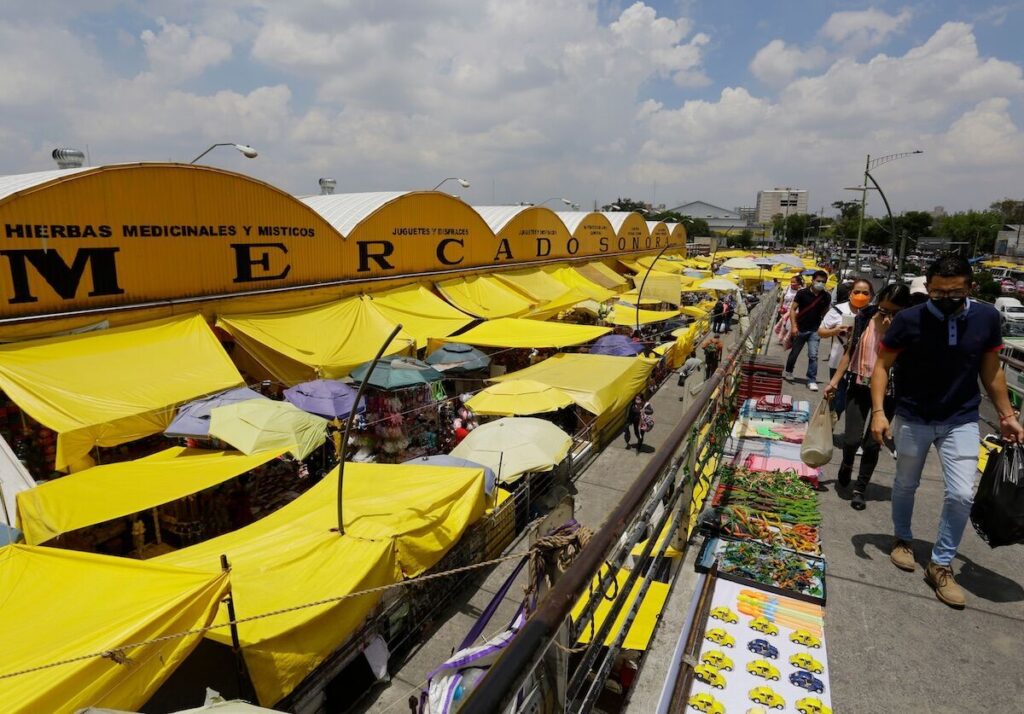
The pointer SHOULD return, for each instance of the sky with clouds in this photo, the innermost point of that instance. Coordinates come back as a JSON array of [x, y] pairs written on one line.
[[667, 101]]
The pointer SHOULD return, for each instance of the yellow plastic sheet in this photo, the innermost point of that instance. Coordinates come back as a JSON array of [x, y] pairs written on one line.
[[518, 397], [571, 278], [420, 312], [534, 283], [485, 296], [599, 273], [566, 301], [105, 492], [665, 266], [602, 384], [59, 604], [626, 315], [642, 628], [632, 296], [664, 287], [693, 311], [512, 332], [399, 521], [325, 341], [112, 386]]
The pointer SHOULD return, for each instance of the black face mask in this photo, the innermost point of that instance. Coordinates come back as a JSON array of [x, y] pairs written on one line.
[[947, 305]]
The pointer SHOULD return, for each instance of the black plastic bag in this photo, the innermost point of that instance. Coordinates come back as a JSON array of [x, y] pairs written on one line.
[[998, 511]]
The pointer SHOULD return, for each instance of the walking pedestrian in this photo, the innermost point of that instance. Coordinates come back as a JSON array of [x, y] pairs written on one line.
[[716, 316], [781, 328], [808, 309], [939, 350], [712, 347], [836, 325], [637, 410], [855, 368], [729, 307], [691, 366]]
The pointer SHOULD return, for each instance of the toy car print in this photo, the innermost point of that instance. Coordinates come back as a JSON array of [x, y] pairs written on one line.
[[720, 637], [802, 637], [766, 696], [812, 705], [763, 648], [709, 675], [806, 680], [763, 668], [763, 625], [717, 659], [704, 702], [725, 615], [805, 661]]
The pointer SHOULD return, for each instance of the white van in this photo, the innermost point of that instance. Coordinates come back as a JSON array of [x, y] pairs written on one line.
[[1011, 315]]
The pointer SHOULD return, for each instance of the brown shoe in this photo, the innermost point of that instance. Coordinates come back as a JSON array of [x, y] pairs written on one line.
[[940, 577], [902, 555]]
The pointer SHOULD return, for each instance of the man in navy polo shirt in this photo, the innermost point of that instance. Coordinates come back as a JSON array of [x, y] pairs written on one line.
[[938, 350]]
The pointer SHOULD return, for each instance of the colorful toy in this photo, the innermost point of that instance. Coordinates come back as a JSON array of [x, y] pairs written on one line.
[[720, 637], [709, 675], [805, 661], [724, 614], [812, 705], [763, 648], [717, 659], [763, 668], [806, 680], [767, 696], [704, 702], [762, 625]]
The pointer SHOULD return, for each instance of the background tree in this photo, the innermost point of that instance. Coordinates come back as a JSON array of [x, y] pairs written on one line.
[[1011, 210], [976, 229], [625, 204], [696, 226], [792, 228], [844, 229], [743, 240]]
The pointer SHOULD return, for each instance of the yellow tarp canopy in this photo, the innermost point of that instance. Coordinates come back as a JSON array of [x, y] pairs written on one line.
[[485, 296], [693, 311], [632, 296], [601, 384], [642, 628], [572, 278], [325, 341], [566, 301], [105, 492], [599, 273], [518, 397], [533, 283], [400, 520], [112, 386], [665, 266], [512, 332], [59, 604], [626, 315], [420, 312], [664, 287]]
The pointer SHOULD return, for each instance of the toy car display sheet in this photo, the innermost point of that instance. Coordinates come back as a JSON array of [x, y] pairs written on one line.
[[761, 652]]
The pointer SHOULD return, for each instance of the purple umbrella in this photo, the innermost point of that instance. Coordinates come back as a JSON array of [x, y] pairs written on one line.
[[328, 398], [616, 345]]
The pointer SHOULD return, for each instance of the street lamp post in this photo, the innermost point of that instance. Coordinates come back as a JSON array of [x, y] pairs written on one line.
[[462, 182], [566, 201], [246, 150], [869, 164]]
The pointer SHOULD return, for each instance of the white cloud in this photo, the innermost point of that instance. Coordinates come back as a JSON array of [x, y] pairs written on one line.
[[776, 63], [860, 30], [176, 52]]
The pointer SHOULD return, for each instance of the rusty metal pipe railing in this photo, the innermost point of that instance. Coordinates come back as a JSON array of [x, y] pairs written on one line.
[[524, 653]]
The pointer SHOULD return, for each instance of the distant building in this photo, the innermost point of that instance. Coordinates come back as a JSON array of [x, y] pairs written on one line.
[[748, 213], [718, 218], [938, 212], [1008, 240], [787, 201]]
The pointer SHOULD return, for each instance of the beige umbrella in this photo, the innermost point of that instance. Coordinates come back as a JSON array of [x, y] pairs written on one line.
[[514, 446], [518, 397]]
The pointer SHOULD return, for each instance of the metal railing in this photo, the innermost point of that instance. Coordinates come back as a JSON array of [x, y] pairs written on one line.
[[669, 491]]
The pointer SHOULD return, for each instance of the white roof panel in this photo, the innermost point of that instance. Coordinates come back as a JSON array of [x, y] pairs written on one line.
[[616, 218], [20, 182], [572, 219], [497, 217], [344, 211]]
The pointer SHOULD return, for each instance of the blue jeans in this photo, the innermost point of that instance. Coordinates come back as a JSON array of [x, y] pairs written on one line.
[[811, 339], [958, 452]]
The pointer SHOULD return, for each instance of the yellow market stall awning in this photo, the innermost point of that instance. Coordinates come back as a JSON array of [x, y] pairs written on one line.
[[665, 266], [572, 278], [565, 302], [400, 520], [420, 312], [518, 397], [626, 315], [106, 492], [111, 386], [642, 628], [601, 384], [512, 332], [325, 341], [60, 604], [599, 273], [485, 296], [632, 296], [664, 287], [534, 283]]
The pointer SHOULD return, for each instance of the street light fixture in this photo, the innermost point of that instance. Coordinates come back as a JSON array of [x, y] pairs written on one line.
[[462, 182], [869, 164], [246, 150], [566, 201]]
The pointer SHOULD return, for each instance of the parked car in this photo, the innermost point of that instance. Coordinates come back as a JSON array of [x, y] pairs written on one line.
[[1011, 315], [877, 273]]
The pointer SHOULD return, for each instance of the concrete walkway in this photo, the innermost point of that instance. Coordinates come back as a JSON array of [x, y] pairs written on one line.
[[599, 489], [892, 646]]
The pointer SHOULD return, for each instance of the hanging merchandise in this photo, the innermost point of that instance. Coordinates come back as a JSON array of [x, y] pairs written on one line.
[[401, 424]]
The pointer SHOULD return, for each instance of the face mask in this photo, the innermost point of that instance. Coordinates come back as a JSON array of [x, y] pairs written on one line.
[[858, 301], [947, 306], [818, 287]]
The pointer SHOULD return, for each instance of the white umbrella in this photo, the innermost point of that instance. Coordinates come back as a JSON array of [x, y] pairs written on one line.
[[740, 264], [514, 446], [718, 284]]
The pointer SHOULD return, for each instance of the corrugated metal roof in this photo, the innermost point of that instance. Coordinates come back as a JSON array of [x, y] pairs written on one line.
[[344, 211], [497, 217], [651, 225], [20, 182], [572, 219], [616, 218]]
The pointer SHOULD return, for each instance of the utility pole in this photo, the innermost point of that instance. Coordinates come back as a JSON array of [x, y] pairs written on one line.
[[863, 207]]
